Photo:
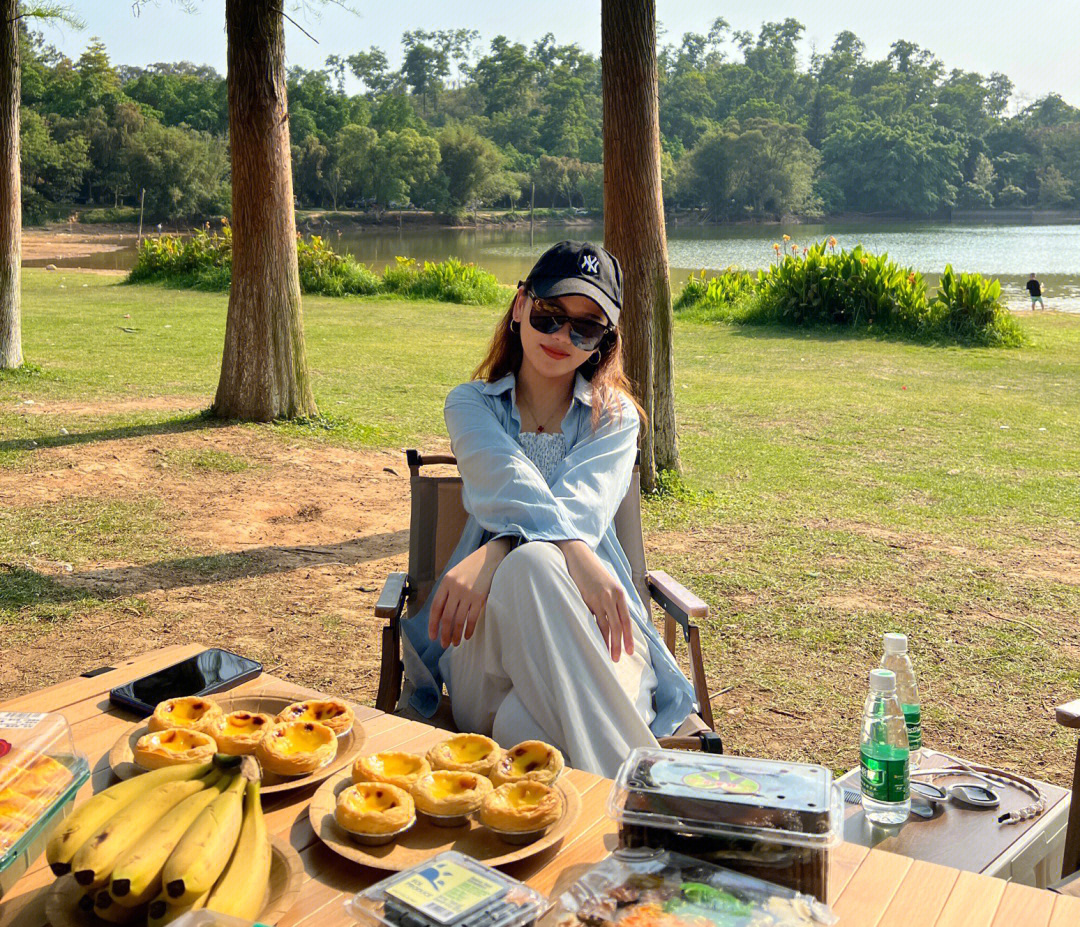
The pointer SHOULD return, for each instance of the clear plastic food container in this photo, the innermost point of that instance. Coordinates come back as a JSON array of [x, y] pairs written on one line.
[[776, 821], [40, 772], [646, 888], [448, 890]]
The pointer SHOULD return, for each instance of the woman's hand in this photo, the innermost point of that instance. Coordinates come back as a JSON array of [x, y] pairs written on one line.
[[463, 592], [603, 595]]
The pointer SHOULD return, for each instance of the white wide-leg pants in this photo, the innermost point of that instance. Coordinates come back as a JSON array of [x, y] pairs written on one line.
[[537, 668]]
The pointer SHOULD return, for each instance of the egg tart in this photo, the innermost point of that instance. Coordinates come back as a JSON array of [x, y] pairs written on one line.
[[373, 809], [473, 753], [448, 793], [400, 769], [522, 807], [532, 761], [332, 712], [191, 711], [296, 748], [173, 747], [239, 732]]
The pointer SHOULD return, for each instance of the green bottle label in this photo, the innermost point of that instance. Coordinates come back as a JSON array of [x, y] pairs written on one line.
[[913, 719], [884, 772]]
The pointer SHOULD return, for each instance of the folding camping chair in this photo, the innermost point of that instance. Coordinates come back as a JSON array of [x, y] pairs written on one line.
[[438, 517]]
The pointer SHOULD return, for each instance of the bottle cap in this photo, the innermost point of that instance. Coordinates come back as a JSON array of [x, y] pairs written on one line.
[[896, 643], [882, 680]]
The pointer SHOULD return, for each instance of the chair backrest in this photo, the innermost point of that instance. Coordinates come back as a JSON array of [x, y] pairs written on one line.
[[439, 516]]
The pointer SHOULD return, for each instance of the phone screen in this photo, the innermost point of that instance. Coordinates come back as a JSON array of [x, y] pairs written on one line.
[[202, 673]]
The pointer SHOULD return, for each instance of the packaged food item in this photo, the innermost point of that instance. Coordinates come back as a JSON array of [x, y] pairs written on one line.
[[776, 821], [657, 888], [448, 890], [40, 772]]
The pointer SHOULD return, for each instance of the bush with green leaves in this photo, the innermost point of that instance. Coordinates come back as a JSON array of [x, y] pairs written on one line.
[[856, 290], [450, 280], [324, 271], [203, 261], [968, 308], [717, 292], [847, 288]]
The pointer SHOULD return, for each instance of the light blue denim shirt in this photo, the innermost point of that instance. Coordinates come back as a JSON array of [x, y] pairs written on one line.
[[505, 494]]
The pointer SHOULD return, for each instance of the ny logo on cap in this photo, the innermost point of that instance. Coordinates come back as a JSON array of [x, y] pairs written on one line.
[[590, 263]]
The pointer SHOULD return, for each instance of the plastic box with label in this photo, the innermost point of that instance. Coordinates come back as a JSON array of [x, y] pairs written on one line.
[[40, 772]]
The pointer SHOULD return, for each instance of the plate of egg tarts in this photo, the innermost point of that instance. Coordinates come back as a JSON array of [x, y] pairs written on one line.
[[296, 743], [392, 810]]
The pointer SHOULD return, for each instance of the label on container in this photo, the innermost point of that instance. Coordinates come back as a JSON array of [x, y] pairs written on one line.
[[884, 772], [20, 720], [724, 780], [913, 720], [445, 891]]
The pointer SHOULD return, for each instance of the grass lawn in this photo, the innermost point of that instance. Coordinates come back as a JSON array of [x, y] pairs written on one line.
[[836, 487]]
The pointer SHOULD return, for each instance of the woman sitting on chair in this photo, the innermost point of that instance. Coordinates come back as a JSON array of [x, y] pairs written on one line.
[[536, 626]]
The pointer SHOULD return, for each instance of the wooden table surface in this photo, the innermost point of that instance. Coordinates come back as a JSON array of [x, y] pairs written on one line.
[[869, 888]]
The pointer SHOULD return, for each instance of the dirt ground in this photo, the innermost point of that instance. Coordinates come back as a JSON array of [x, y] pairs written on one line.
[[282, 561], [70, 240]]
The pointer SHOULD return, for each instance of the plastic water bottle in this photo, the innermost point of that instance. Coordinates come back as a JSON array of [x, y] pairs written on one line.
[[883, 753], [896, 659]]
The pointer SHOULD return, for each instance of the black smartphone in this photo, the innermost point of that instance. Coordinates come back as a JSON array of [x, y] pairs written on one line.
[[206, 672]]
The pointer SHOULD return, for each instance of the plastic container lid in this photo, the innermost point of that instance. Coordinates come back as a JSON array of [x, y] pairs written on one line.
[[448, 889], [896, 643], [882, 680], [40, 771], [795, 804]]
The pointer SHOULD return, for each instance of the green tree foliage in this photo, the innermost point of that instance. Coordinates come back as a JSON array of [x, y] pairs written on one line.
[[759, 169], [747, 129], [902, 164]]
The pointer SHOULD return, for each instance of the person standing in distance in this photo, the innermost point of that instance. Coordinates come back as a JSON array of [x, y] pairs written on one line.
[[1035, 289]]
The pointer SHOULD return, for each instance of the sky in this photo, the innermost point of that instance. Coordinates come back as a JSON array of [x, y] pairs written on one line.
[[1037, 45]]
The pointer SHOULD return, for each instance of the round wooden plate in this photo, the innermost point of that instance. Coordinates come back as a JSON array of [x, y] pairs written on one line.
[[122, 755], [425, 840], [286, 877]]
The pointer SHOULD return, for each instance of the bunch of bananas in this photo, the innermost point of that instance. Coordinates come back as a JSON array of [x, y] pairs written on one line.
[[173, 840]]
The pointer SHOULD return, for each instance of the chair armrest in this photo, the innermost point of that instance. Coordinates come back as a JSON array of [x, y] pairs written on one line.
[[392, 598], [1069, 715], [675, 599], [1070, 885]]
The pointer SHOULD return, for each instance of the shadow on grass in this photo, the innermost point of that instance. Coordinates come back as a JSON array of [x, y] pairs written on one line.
[[827, 334], [194, 422], [226, 567], [22, 588]]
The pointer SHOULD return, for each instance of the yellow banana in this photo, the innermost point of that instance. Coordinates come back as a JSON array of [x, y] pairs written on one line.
[[95, 859], [77, 828], [136, 877], [203, 852], [162, 911], [242, 887], [113, 913]]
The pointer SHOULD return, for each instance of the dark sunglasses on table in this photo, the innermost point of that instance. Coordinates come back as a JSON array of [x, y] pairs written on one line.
[[585, 334]]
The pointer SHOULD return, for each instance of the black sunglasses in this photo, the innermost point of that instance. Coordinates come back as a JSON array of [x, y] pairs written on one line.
[[585, 334]]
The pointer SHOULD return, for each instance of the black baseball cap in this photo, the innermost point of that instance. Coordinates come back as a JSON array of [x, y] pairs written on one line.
[[579, 268]]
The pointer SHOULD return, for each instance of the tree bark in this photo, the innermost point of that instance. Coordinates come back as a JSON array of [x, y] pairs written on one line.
[[11, 355], [634, 228], [264, 373]]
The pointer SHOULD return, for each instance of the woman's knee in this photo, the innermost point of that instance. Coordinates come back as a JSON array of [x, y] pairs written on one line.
[[525, 562]]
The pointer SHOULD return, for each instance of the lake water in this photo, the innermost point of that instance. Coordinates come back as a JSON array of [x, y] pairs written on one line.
[[1008, 251]]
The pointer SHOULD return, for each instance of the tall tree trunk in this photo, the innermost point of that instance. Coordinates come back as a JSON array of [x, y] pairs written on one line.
[[10, 191], [264, 373], [634, 219]]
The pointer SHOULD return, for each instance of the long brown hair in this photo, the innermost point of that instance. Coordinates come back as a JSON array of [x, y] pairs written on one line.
[[608, 379]]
